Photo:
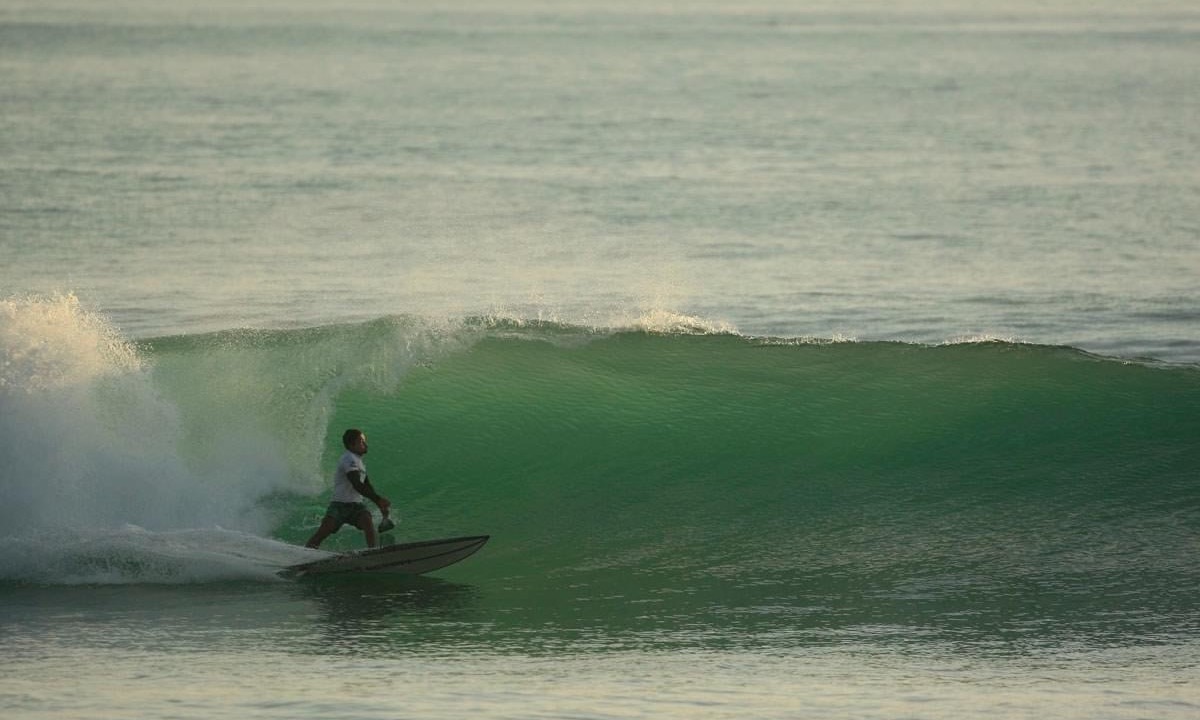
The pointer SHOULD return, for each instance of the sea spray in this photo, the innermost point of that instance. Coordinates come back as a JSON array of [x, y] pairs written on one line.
[[51, 343], [248, 389], [109, 445], [94, 452]]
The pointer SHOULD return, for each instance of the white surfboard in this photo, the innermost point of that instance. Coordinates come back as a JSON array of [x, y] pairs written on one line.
[[406, 558]]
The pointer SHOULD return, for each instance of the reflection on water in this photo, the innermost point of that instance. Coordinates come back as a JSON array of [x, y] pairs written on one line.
[[392, 613], [386, 614]]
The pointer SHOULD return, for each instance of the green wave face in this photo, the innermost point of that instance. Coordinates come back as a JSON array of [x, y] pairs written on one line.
[[755, 484]]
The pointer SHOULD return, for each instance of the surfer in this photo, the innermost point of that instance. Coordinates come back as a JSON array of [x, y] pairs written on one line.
[[350, 486]]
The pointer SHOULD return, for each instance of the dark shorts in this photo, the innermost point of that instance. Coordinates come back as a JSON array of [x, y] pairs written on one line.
[[344, 513]]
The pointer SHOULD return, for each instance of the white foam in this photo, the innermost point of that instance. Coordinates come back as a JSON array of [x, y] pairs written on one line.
[[50, 343], [666, 321], [982, 339], [88, 441], [131, 554]]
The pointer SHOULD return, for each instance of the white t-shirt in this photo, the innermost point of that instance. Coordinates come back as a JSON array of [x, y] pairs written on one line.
[[343, 491]]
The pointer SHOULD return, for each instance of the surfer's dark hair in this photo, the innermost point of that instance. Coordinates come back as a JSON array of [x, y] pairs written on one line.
[[350, 436]]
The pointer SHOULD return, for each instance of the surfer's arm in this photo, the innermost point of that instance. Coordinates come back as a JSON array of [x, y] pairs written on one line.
[[363, 486]]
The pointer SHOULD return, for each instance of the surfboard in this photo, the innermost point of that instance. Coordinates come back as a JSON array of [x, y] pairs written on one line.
[[412, 558]]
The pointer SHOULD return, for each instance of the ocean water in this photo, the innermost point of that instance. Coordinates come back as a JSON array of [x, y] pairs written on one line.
[[802, 359]]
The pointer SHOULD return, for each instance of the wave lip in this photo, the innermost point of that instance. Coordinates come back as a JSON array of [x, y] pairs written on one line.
[[612, 438], [52, 342]]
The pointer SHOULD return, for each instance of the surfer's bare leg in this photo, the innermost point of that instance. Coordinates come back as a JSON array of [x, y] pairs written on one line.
[[363, 522], [328, 527]]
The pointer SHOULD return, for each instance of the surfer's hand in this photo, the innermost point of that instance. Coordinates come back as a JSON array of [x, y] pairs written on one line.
[[384, 505]]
